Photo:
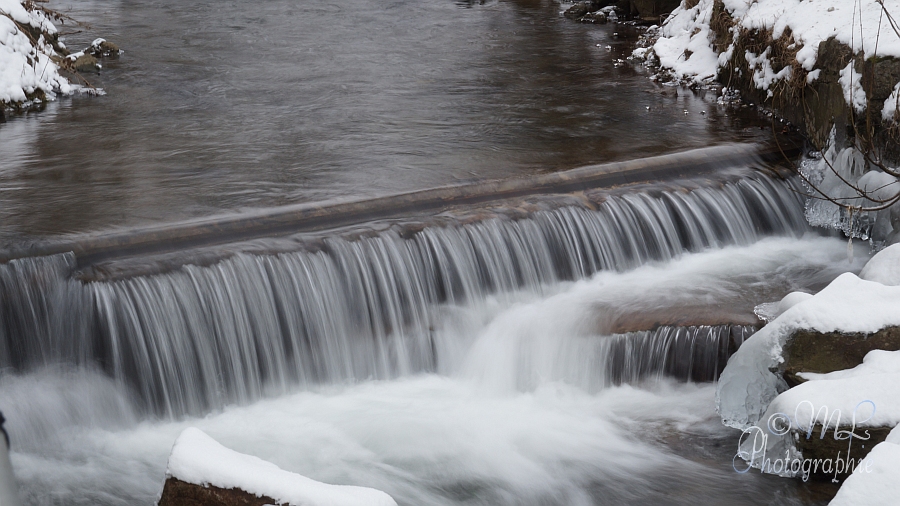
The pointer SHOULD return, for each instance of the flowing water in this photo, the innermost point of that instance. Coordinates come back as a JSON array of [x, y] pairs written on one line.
[[558, 354]]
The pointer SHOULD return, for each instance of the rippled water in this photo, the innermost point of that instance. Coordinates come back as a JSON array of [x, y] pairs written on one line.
[[222, 105]]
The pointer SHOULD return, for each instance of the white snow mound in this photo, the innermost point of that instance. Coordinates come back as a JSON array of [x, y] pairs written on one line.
[[879, 484], [199, 459], [884, 267]]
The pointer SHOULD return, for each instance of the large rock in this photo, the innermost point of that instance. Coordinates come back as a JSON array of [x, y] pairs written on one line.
[[824, 352], [181, 493]]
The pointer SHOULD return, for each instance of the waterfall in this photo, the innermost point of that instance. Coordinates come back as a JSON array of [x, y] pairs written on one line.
[[199, 337]]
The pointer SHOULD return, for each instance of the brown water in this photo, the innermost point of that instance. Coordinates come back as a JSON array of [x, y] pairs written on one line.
[[226, 105]]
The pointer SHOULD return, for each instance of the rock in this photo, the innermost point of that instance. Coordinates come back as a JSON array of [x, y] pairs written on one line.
[[653, 9], [103, 48], [817, 352], [180, 493], [826, 448], [580, 9], [86, 63], [594, 17]]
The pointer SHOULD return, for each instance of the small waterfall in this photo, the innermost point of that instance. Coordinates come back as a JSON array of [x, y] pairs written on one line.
[[199, 337], [695, 353]]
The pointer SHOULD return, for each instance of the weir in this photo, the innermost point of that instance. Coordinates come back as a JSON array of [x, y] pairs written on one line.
[[324, 215], [250, 325]]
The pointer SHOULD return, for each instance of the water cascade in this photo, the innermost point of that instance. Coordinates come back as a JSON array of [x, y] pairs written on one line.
[[251, 325]]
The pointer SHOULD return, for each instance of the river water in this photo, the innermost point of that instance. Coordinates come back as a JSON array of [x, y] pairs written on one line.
[[232, 105], [484, 361]]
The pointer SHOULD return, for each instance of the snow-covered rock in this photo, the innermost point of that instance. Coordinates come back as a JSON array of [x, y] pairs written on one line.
[[884, 267], [878, 483], [200, 460], [768, 311], [750, 381]]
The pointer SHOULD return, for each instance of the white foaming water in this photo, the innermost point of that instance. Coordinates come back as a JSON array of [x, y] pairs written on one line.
[[520, 414]]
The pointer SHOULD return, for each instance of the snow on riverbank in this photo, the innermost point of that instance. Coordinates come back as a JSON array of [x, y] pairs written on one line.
[[27, 69], [687, 42]]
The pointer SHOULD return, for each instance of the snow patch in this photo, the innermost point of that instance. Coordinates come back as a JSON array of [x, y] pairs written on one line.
[[199, 459], [853, 90]]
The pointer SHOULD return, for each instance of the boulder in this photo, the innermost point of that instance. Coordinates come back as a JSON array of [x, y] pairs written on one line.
[[181, 493], [103, 48], [824, 352], [85, 63]]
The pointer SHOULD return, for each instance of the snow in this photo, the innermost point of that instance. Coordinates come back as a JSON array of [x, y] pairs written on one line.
[[884, 267], [860, 25], [25, 68], [849, 304], [889, 112], [199, 459], [853, 90], [686, 32], [878, 485]]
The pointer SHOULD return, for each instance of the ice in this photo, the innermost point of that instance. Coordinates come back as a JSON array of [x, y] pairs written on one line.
[[846, 177], [199, 459], [768, 311], [849, 304]]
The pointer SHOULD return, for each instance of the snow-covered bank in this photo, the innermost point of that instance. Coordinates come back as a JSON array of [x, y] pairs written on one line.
[[29, 70], [818, 64], [693, 46]]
